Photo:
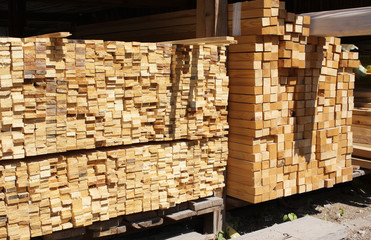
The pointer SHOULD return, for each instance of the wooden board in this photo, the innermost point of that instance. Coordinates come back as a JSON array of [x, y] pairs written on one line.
[[363, 163], [362, 150], [207, 40], [361, 120], [361, 134], [51, 35]]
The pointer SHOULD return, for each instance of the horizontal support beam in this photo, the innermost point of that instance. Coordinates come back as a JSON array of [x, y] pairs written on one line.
[[363, 163], [207, 40], [361, 150], [341, 23], [49, 35]]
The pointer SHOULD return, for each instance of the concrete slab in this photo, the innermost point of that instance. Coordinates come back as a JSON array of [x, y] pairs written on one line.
[[188, 236], [358, 223], [171, 233], [306, 228], [266, 233]]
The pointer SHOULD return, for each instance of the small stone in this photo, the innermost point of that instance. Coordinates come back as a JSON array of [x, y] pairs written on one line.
[[267, 218], [319, 208], [362, 232]]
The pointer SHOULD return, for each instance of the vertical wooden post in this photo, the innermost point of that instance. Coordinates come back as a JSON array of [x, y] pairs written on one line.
[[221, 19], [212, 18], [17, 17], [205, 18], [213, 222]]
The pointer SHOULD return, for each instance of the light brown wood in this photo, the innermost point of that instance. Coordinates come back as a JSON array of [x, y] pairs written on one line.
[[361, 133], [84, 94], [73, 190], [115, 100], [362, 150], [363, 163], [290, 106], [205, 26], [52, 35], [207, 40]]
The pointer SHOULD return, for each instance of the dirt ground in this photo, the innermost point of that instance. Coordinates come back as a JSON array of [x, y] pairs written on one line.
[[344, 204]]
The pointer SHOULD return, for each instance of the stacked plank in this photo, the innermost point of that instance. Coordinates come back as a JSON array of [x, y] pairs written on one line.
[[159, 27], [290, 106], [62, 191], [361, 126], [91, 130], [59, 95]]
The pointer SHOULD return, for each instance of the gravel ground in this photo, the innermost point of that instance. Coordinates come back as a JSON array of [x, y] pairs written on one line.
[[345, 204]]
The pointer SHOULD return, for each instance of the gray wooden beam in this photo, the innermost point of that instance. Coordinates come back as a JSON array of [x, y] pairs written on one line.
[[341, 23]]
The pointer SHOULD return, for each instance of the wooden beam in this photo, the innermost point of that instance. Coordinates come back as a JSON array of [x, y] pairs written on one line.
[[362, 150], [73, 233], [207, 40], [50, 35], [341, 23], [17, 20], [363, 163]]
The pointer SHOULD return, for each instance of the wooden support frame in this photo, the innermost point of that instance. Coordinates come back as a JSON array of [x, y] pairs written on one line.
[[212, 18], [210, 209]]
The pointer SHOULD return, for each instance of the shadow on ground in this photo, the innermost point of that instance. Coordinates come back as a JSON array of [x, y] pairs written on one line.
[[354, 197]]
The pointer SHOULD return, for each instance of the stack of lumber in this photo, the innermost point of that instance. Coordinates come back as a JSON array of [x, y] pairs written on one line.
[[159, 27], [61, 191], [290, 106], [361, 126], [59, 95], [152, 116]]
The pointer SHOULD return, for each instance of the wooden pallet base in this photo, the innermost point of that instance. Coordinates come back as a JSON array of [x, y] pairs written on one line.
[[210, 208]]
